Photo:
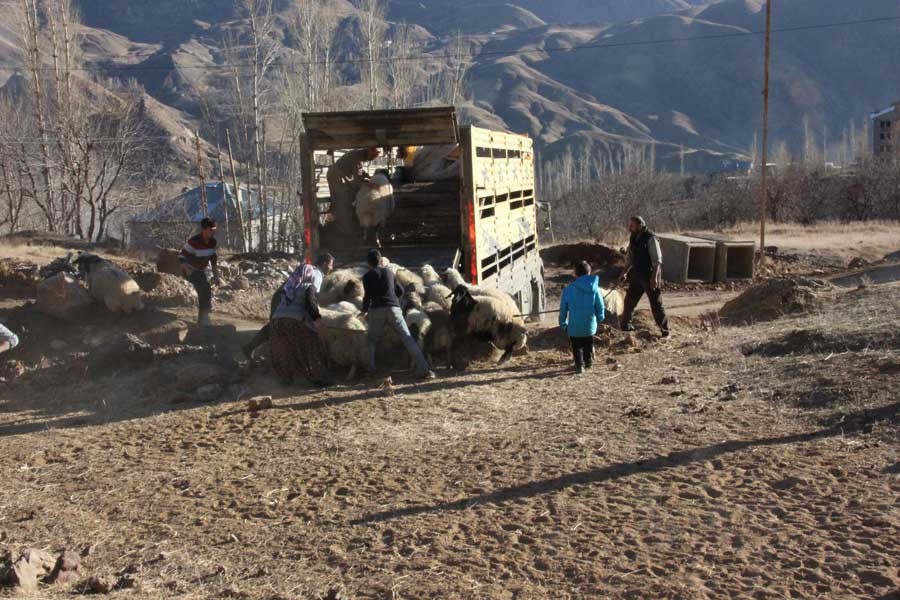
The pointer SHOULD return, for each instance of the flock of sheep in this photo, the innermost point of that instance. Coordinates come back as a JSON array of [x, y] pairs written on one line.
[[444, 316]]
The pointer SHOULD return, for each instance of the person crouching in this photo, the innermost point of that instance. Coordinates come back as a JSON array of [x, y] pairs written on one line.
[[296, 347], [580, 311]]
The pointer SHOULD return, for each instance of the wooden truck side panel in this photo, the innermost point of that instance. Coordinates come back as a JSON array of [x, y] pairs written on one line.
[[500, 213]]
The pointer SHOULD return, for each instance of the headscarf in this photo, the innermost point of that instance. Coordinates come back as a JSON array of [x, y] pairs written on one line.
[[302, 277]]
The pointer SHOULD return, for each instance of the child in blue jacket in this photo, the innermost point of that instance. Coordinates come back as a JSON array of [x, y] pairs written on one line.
[[580, 311]]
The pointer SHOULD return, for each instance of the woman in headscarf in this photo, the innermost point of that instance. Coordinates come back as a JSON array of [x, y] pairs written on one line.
[[296, 348]]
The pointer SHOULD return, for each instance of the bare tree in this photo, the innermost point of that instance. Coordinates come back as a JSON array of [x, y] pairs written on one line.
[[402, 69], [313, 77], [17, 188], [46, 200], [372, 32], [458, 61], [104, 142], [263, 52]]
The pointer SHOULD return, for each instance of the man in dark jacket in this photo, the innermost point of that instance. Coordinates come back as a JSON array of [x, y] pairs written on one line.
[[580, 311], [643, 272], [381, 304], [344, 179]]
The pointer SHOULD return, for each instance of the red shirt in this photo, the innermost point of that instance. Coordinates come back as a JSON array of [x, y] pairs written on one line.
[[198, 254]]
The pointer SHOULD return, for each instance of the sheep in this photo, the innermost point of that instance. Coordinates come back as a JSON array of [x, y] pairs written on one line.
[[404, 276], [347, 308], [438, 339], [496, 294], [412, 300], [430, 306], [430, 277], [419, 325], [488, 319], [345, 341], [439, 294], [374, 205], [614, 302], [454, 279], [110, 285], [343, 285]]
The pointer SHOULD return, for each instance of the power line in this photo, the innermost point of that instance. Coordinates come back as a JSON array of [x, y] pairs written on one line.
[[489, 53]]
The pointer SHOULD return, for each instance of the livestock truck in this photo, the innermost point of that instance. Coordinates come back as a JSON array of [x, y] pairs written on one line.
[[482, 221]]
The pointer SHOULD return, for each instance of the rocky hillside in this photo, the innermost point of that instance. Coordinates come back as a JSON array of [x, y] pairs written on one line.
[[588, 75]]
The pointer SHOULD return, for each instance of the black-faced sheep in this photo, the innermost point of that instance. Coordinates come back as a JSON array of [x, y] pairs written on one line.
[[343, 285], [374, 205], [110, 285], [488, 319], [454, 279]]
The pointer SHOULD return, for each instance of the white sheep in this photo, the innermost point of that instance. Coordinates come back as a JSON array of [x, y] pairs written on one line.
[[430, 307], [430, 277], [454, 279], [345, 341], [374, 205], [345, 307], [404, 276], [614, 303], [439, 294], [112, 286]]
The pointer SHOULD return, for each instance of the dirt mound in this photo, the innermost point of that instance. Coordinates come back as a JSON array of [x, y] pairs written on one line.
[[164, 290], [774, 298], [18, 275], [600, 256], [804, 341]]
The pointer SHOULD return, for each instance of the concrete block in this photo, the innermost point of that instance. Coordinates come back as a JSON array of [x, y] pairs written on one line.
[[687, 259], [734, 259]]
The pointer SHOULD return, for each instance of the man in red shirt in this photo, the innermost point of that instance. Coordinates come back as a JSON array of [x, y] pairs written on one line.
[[197, 256]]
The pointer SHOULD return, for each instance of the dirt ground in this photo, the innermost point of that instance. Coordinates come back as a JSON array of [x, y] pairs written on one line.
[[730, 462]]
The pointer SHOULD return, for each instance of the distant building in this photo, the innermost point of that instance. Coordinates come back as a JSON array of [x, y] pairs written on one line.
[[174, 220], [885, 128]]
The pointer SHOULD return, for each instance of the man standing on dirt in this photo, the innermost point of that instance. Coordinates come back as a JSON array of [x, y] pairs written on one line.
[[344, 178], [643, 272], [197, 256], [382, 305]]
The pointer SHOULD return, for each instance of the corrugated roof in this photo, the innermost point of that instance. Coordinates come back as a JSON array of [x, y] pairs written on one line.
[[894, 108], [188, 207]]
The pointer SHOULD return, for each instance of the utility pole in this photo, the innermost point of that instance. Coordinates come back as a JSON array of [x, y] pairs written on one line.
[[224, 190], [200, 175], [765, 136], [682, 161], [245, 241]]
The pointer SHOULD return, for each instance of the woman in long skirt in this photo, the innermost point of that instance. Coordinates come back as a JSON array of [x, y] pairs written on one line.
[[297, 350]]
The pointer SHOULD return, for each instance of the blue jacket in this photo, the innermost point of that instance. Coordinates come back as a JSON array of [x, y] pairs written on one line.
[[581, 308]]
